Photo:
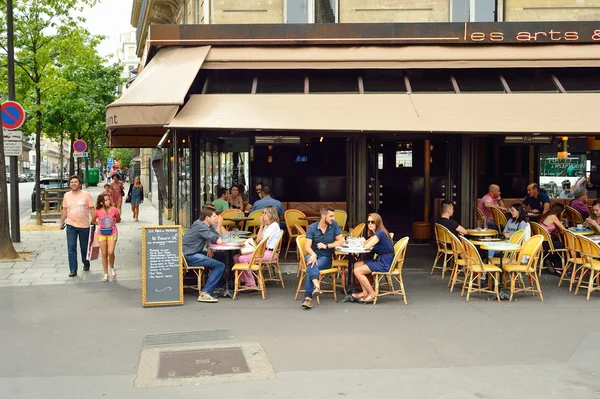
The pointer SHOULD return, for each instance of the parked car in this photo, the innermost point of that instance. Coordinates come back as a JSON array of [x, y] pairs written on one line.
[[22, 178], [48, 183]]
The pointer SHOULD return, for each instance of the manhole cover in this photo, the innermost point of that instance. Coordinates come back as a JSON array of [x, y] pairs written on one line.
[[201, 362]]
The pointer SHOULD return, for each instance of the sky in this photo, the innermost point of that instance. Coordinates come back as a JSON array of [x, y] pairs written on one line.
[[109, 18]]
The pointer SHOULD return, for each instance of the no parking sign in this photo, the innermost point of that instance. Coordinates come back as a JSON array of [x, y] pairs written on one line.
[[13, 115]]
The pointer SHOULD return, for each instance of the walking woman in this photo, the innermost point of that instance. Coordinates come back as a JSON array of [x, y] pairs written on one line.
[[136, 196], [380, 241], [106, 216], [116, 192]]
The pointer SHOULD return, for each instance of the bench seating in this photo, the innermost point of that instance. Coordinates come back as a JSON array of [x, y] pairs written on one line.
[[313, 208]]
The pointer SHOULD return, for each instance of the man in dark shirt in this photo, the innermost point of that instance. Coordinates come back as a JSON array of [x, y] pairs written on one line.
[[321, 239], [536, 201], [196, 252], [257, 194], [444, 220]]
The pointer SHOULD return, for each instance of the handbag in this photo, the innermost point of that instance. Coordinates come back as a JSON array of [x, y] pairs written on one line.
[[93, 252], [128, 200]]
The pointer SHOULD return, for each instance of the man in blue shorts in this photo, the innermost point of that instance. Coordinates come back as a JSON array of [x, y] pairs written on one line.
[[321, 239]]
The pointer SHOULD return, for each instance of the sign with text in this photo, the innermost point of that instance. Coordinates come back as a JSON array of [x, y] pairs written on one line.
[[162, 282], [80, 155], [13, 143]]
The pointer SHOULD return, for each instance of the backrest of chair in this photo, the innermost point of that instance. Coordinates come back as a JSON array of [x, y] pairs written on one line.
[[572, 244], [340, 217], [399, 255], [473, 257], [538, 229], [231, 213], [573, 215], [440, 233], [292, 217], [254, 222], [531, 249], [517, 237], [300, 241], [300, 229], [498, 216], [185, 264], [259, 252], [589, 250], [392, 237], [358, 230], [277, 250], [457, 248], [480, 215]]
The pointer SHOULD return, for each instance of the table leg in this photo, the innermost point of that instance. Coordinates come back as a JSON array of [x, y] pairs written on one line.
[[350, 281], [227, 275]]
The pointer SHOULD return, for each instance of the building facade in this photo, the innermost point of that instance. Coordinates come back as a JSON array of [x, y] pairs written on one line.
[[126, 54]]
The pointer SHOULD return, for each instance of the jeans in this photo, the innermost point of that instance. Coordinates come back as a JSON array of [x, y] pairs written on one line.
[[491, 225], [216, 270], [323, 263], [84, 235]]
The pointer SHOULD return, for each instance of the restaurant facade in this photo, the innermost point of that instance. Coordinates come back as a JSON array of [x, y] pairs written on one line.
[[386, 117]]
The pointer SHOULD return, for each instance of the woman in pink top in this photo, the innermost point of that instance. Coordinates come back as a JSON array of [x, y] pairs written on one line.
[[116, 192], [106, 218], [550, 222]]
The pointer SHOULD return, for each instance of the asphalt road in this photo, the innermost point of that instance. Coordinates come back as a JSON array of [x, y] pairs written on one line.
[[25, 190]]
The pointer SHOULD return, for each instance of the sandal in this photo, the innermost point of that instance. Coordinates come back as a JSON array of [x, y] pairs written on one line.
[[360, 296], [113, 275], [105, 278], [368, 299]]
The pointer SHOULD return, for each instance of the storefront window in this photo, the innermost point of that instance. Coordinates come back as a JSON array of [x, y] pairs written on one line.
[[184, 182], [554, 172]]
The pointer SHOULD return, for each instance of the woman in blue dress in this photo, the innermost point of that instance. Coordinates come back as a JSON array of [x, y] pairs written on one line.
[[380, 241], [136, 197]]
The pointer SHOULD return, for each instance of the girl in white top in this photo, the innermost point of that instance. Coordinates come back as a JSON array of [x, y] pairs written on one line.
[[517, 222], [269, 227]]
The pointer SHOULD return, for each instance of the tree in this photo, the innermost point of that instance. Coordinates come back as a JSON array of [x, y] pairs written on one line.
[[47, 37], [124, 156]]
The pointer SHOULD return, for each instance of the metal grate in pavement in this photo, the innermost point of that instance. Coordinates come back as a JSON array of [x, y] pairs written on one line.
[[187, 337]]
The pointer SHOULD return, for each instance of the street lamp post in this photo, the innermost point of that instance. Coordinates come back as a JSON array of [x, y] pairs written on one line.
[[15, 227]]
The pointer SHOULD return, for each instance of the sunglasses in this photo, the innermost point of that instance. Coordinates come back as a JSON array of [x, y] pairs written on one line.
[[370, 222]]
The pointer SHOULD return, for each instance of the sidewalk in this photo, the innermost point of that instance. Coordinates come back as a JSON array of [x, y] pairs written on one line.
[[48, 262]]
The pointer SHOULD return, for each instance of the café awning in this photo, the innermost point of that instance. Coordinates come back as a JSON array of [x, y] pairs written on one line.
[[154, 97], [548, 113]]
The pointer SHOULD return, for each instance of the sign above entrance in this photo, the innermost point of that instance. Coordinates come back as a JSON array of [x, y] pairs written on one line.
[[373, 34]]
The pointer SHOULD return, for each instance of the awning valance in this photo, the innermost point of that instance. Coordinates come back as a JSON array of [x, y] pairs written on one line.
[[437, 113], [417, 56], [157, 93]]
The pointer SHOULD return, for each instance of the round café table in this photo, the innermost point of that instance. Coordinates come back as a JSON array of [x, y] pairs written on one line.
[[501, 247], [482, 233], [353, 252], [583, 232], [227, 248]]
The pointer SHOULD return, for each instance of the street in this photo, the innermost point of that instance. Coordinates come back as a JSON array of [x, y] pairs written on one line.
[[25, 190]]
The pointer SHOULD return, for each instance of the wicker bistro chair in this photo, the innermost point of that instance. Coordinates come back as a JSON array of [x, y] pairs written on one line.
[[475, 269], [253, 224], [323, 274], [292, 218], [498, 217], [444, 248], [198, 271], [510, 256], [255, 266], [573, 216], [459, 262], [271, 265], [394, 274], [574, 259], [480, 216], [526, 263], [340, 217], [591, 264], [231, 213], [536, 229]]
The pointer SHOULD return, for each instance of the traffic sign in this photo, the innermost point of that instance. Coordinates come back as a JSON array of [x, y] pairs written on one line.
[[13, 143], [110, 162], [79, 146], [80, 155], [13, 115]]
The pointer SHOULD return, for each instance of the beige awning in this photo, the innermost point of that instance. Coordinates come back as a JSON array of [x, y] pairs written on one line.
[[157, 93], [362, 57], [437, 113]]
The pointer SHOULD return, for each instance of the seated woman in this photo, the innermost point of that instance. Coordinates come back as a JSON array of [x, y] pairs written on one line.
[[380, 241], [550, 222], [236, 199], [269, 227], [517, 222], [593, 220]]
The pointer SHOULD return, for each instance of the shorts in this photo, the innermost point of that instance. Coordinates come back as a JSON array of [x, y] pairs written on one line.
[[113, 237]]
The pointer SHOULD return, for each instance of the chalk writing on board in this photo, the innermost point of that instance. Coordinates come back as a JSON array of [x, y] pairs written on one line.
[[164, 289]]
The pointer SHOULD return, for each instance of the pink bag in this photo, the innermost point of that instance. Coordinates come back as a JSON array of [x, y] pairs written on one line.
[[93, 252]]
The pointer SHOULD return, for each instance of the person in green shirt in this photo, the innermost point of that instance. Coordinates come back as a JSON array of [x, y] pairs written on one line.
[[221, 204]]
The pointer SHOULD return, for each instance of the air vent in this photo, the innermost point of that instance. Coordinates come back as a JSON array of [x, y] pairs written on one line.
[[527, 139], [277, 140]]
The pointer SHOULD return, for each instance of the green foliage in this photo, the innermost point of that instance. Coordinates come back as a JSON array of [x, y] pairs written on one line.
[[124, 155]]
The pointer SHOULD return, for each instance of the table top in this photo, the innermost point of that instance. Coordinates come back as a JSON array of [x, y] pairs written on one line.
[[500, 246], [595, 238], [238, 219], [226, 246], [482, 233], [310, 218], [584, 232], [486, 240], [353, 250]]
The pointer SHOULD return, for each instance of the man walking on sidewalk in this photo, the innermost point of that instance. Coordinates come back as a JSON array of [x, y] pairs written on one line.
[[76, 213]]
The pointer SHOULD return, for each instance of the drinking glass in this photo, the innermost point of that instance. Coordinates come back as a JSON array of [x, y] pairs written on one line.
[[226, 237]]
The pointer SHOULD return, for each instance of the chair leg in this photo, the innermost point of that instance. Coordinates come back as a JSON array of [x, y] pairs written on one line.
[[581, 277], [261, 282], [591, 284], [401, 283], [280, 276], [288, 247], [236, 283], [302, 275], [437, 257], [467, 273], [539, 289], [497, 281], [564, 273], [333, 286]]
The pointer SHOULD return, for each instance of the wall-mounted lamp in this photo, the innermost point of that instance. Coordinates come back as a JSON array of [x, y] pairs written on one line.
[[321, 139], [564, 154]]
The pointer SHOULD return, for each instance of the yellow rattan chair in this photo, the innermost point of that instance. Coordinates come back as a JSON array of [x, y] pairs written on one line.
[[197, 270], [253, 224], [573, 216], [255, 266], [459, 265], [340, 217], [574, 259], [537, 229], [394, 274], [498, 217], [272, 266], [292, 218], [231, 213], [591, 264], [444, 248], [480, 216], [475, 269], [327, 273], [510, 256], [526, 263]]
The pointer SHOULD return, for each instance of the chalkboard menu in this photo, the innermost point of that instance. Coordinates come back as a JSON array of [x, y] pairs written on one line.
[[162, 282]]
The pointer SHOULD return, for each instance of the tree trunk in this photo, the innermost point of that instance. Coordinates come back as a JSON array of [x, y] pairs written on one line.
[[7, 249], [38, 163], [62, 155]]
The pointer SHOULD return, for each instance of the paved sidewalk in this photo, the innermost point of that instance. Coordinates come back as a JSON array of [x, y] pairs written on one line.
[[48, 262]]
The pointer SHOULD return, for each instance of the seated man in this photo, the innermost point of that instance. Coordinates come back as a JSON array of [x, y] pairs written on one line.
[[492, 198], [218, 227], [593, 220], [321, 239], [196, 252], [580, 202], [222, 204], [536, 201], [444, 220], [266, 200]]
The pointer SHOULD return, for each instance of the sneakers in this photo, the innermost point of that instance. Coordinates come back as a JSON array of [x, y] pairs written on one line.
[[204, 297], [105, 278], [317, 291], [307, 304], [86, 267], [113, 274], [73, 274]]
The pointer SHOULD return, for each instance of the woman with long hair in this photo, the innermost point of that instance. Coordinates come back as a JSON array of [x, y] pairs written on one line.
[[136, 197], [380, 241], [106, 217], [116, 192], [517, 221], [550, 221], [236, 199]]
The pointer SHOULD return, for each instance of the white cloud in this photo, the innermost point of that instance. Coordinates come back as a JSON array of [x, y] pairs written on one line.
[[109, 18]]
